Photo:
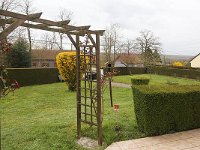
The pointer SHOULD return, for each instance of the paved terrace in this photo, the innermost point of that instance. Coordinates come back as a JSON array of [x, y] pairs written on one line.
[[187, 140]]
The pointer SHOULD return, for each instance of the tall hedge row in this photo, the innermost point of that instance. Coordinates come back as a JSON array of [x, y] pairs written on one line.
[[129, 70], [31, 76], [167, 108], [191, 73]]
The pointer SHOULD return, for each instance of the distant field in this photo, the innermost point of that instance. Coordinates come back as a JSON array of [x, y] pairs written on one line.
[[156, 79]]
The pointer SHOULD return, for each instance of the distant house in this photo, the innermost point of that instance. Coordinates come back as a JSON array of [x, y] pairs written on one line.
[[195, 62], [44, 58], [128, 60]]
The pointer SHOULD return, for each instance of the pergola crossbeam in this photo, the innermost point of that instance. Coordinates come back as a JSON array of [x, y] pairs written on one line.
[[17, 23], [44, 23], [91, 54]]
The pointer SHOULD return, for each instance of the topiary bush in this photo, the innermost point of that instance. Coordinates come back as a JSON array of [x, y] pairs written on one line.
[[167, 108], [139, 81]]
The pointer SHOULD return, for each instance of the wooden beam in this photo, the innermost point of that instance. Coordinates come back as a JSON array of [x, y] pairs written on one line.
[[84, 27], [72, 40], [20, 16], [64, 22], [59, 23], [78, 92], [79, 30], [11, 28], [100, 32], [92, 40], [2, 22], [43, 27], [99, 103]]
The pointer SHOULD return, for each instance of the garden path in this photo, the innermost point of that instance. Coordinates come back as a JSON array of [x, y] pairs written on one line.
[[121, 85], [187, 140]]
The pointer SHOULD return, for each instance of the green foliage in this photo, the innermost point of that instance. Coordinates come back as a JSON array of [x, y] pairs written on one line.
[[66, 63], [19, 57], [32, 76], [139, 81], [156, 79], [177, 72], [44, 117], [161, 109], [128, 70]]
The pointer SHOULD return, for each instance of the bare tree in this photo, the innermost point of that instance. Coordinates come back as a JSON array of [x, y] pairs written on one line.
[[111, 42], [49, 41], [129, 46], [64, 14], [8, 5], [149, 46], [27, 8]]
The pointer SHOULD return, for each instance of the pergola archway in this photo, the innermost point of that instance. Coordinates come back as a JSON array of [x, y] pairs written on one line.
[[87, 97]]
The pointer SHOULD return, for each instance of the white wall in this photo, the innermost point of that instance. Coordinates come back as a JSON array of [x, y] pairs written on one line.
[[195, 63]]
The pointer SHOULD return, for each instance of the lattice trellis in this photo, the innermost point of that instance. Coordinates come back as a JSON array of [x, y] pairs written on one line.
[[88, 96]]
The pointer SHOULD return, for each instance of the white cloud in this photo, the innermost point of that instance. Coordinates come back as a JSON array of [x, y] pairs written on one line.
[[176, 22]]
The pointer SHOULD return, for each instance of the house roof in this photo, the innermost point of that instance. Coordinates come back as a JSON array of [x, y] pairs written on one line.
[[194, 57], [46, 54], [129, 58]]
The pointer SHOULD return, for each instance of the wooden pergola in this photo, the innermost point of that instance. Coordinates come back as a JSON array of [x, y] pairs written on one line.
[[89, 94]]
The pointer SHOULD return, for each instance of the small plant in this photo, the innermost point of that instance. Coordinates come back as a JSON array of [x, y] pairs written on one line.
[[140, 81]]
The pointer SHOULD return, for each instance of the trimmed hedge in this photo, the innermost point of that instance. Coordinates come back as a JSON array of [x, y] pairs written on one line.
[[167, 108], [32, 76], [192, 73], [128, 70], [139, 81]]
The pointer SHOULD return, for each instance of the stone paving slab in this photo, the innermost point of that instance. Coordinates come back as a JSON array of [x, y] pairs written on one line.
[[187, 140]]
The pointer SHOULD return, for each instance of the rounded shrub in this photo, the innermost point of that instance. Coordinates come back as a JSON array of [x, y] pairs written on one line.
[[140, 81], [66, 63]]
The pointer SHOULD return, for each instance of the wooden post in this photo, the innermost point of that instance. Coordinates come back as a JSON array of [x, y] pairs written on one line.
[[99, 109], [78, 93], [110, 87]]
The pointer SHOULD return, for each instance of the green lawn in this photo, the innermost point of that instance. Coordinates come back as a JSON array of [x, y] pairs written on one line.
[[156, 79], [44, 117]]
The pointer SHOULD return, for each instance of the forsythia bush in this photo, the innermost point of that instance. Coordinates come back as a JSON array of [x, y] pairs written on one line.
[[66, 63], [177, 64]]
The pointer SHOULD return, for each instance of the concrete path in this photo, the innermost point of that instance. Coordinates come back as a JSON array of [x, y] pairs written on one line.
[[121, 85], [187, 140]]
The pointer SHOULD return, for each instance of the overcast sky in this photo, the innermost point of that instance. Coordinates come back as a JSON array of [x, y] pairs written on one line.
[[176, 22]]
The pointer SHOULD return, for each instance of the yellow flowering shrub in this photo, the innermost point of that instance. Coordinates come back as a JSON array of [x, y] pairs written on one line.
[[66, 64], [177, 64]]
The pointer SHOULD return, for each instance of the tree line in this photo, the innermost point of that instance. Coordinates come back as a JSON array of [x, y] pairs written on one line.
[[147, 46]]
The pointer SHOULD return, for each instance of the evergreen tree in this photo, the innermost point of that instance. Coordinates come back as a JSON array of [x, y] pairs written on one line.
[[19, 57]]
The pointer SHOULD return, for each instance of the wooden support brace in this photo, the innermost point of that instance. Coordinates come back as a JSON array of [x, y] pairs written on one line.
[[11, 28], [17, 23], [73, 42], [92, 40]]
